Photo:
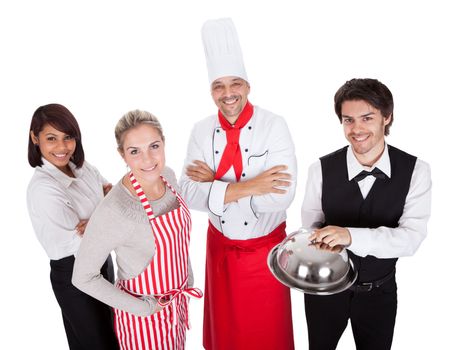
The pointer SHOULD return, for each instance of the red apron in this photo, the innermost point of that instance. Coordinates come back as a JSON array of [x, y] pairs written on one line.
[[245, 307], [165, 278]]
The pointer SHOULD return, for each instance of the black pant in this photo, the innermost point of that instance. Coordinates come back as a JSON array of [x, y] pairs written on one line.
[[372, 316], [88, 322]]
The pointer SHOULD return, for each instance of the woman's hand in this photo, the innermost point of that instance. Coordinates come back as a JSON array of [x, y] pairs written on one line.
[[107, 188], [154, 306], [81, 226]]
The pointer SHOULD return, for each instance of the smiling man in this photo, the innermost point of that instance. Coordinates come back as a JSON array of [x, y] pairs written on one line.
[[373, 199], [241, 170]]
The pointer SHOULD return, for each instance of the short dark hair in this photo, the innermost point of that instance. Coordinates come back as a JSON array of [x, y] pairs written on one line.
[[62, 119], [371, 91]]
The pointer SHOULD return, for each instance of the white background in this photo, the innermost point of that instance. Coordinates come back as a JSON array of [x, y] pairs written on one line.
[[103, 58]]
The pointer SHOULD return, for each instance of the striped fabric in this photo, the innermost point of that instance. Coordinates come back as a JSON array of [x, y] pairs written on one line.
[[166, 276]]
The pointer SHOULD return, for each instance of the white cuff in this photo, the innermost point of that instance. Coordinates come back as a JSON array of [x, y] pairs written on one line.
[[361, 241], [216, 200]]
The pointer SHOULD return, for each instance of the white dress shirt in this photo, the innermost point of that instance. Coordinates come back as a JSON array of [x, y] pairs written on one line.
[[265, 142], [57, 203], [381, 242]]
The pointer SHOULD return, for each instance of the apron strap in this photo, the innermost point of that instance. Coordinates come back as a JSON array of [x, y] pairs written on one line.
[[142, 196], [166, 298], [171, 296], [145, 201]]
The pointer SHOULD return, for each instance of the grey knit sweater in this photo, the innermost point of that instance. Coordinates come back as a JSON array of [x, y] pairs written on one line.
[[120, 224]]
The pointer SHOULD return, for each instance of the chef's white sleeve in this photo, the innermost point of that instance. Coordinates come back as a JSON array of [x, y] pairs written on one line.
[[281, 151], [196, 194]]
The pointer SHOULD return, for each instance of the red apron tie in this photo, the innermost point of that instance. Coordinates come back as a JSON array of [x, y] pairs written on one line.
[[173, 295]]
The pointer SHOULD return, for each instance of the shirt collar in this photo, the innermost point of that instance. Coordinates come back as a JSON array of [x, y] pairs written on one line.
[[249, 123], [354, 167], [59, 175]]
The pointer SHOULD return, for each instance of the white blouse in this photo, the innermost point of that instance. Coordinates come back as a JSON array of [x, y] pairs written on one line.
[[381, 242], [57, 203]]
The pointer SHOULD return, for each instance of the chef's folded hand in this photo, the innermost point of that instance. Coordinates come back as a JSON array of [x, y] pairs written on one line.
[[331, 236], [81, 226], [271, 181], [200, 172]]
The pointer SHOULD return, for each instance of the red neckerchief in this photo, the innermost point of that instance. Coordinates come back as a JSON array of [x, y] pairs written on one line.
[[232, 155]]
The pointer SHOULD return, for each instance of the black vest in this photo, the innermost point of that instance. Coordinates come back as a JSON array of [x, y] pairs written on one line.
[[343, 203]]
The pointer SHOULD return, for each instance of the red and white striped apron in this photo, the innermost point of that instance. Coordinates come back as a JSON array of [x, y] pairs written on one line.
[[165, 278]]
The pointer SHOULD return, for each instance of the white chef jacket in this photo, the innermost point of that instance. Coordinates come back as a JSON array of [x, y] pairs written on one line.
[[265, 142], [57, 202], [381, 242]]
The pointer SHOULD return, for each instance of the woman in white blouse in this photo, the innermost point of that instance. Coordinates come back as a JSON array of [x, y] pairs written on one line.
[[61, 197]]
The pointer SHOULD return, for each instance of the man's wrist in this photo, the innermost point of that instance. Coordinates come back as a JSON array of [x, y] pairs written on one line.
[[236, 190]]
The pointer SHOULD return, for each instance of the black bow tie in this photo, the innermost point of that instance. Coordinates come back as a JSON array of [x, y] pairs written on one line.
[[375, 172]]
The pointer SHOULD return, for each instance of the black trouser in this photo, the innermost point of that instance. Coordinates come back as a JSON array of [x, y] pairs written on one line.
[[88, 322], [372, 316]]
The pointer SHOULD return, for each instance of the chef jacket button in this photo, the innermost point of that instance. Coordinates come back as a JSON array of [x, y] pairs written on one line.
[[245, 223], [243, 174], [246, 150], [223, 221], [217, 130], [216, 152], [250, 128]]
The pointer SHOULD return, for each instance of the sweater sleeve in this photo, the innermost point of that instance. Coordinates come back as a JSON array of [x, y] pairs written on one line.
[[105, 232]]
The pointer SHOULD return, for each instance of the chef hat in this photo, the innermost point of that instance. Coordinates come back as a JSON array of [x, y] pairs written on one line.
[[222, 48]]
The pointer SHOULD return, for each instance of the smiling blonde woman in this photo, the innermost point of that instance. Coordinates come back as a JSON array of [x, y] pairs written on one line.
[[147, 223]]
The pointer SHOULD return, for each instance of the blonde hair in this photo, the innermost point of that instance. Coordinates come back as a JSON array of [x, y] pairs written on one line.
[[133, 119]]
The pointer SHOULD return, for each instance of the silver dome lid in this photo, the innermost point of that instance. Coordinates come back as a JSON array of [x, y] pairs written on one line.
[[298, 264]]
